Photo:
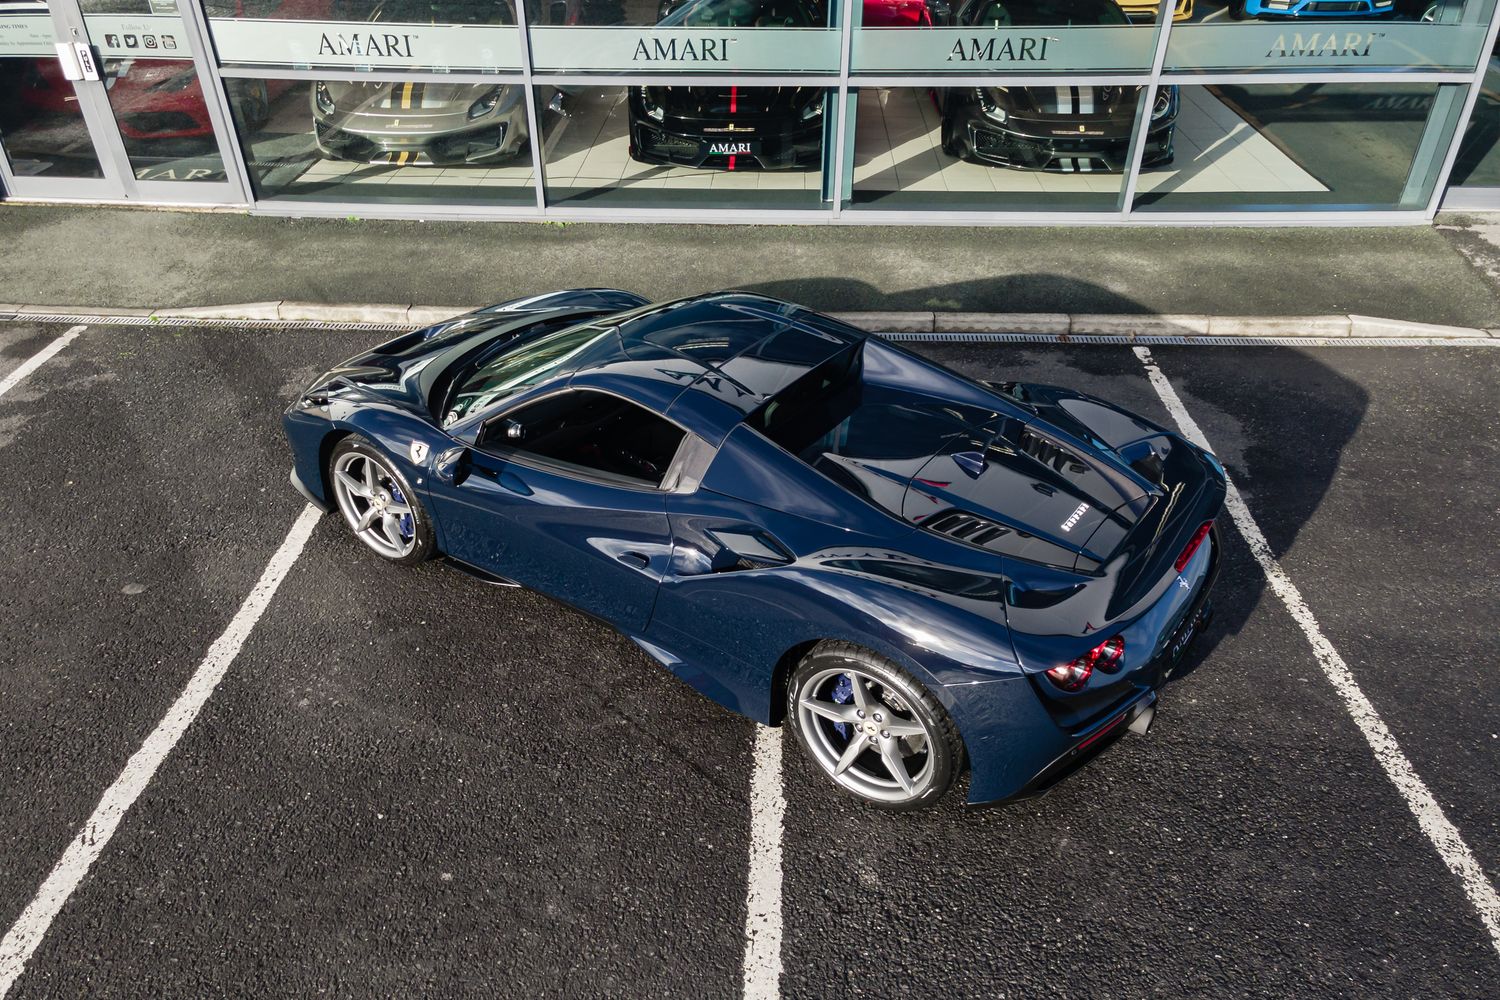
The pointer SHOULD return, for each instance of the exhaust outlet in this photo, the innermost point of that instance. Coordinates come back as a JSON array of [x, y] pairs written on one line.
[[1141, 724]]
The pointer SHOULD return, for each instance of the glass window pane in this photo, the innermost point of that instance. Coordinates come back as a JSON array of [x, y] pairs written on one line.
[[1311, 35], [41, 126], [1297, 146], [727, 146], [974, 37], [1478, 163], [395, 143], [163, 119], [999, 148], [688, 36], [154, 90]]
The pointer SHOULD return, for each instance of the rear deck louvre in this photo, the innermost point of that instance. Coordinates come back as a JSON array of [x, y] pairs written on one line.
[[967, 527]]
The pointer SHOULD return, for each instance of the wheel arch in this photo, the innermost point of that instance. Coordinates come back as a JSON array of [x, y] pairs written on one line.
[[326, 445]]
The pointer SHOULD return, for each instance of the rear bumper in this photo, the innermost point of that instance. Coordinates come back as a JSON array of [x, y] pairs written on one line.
[[1076, 749]]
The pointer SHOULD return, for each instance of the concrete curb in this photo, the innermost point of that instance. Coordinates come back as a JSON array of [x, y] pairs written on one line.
[[1062, 326]]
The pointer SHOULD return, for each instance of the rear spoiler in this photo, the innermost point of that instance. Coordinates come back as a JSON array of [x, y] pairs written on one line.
[[1194, 489]]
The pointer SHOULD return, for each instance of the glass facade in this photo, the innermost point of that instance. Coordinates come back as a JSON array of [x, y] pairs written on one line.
[[800, 110]]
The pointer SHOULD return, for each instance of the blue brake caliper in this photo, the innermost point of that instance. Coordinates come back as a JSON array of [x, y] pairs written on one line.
[[406, 521], [843, 694]]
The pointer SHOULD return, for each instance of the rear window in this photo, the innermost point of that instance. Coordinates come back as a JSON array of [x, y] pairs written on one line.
[[870, 439], [808, 409]]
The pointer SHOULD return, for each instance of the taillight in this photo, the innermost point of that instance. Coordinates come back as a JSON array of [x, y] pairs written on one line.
[[1107, 656], [1192, 546]]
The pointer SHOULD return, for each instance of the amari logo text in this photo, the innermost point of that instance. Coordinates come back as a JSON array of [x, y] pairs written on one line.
[[1010, 50], [687, 50], [1325, 45], [384, 45]]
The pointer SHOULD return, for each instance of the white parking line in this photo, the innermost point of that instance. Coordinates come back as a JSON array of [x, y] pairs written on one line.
[[1434, 822], [22, 939], [762, 967], [38, 359]]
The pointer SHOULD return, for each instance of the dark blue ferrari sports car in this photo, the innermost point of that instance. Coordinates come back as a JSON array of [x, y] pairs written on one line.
[[923, 575]]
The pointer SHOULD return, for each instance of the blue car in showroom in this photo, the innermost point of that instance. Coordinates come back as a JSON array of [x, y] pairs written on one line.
[[923, 575]]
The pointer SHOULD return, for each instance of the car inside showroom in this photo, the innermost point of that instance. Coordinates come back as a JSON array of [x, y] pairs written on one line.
[[1005, 111]]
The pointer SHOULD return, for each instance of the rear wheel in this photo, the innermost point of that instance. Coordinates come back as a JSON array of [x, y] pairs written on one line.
[[872, 727], [378, 505]]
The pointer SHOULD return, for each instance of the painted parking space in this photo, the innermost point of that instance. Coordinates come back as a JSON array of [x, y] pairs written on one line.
[[1394, 542], [412, 783], [1221, 855], [137, 517]]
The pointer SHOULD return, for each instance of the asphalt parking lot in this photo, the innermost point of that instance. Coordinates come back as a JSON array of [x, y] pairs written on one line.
[[411, 784]]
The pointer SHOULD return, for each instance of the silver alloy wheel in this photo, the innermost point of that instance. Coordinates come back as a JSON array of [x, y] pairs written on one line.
[[872, 744], [370, 498]]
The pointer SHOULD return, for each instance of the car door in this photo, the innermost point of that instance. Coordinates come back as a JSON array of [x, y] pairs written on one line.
[[564, 495]]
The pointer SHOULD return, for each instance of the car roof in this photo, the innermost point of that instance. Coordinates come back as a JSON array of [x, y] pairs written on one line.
[[708, 361]]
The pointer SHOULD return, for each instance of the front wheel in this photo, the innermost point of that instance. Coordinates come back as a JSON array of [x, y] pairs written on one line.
[[872, 728], [377, 503]]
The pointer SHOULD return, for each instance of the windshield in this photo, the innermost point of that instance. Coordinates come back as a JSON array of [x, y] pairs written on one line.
[[526, 366]]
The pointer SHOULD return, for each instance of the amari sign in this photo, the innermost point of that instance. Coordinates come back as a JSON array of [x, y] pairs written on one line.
[[344, 44], [978, 50], [1308, 45], [685, 50]]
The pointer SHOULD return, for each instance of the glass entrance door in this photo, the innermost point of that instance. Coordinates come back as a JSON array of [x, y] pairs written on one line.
[[135, 126]]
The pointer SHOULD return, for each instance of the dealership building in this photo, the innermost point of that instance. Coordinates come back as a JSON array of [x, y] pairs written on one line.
[[788, 111]]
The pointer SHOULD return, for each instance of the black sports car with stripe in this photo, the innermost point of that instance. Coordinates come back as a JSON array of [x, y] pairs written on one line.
[[730, 128], [1061, 129]]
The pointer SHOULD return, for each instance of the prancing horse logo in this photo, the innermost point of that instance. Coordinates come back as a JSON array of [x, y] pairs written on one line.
[[418, 452]]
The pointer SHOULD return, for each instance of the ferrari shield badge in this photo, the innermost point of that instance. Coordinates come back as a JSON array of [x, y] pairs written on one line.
[[418, 452]]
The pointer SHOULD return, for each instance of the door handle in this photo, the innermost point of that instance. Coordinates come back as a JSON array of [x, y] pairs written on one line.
[[637, 559], [510, 481]]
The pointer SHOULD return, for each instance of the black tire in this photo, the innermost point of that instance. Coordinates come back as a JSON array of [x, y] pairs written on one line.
[[423, 540], [944, 753], [953, 144], [1237, 11], [252, 103]]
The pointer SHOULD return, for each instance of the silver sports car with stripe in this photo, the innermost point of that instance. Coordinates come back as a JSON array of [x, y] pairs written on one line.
[[429, 124]]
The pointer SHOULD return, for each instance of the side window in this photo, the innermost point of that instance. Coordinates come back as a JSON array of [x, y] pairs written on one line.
[[600, 435]]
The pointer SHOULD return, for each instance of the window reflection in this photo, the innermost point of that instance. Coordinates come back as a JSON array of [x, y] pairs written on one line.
[[163, 119], [1478, 163], [352, 140], [41, 126], [998, 148], [736, 146], [1293, 145]]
